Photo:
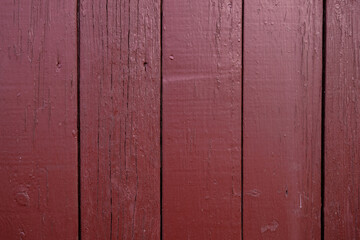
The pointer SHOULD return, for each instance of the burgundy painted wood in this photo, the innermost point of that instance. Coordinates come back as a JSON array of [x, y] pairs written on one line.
[[38, 143], [282, 119], [120, 119], [202, 119], [121, 60], [342, 121]]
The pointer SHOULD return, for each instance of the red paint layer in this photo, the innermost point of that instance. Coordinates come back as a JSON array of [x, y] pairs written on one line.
[[38, 153], [201, 119], [342, 135], [120, 119], [282, 119]]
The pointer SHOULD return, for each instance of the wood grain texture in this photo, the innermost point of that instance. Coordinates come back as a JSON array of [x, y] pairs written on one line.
[[38, 143], [120, 119], [342, 120], [282, 119], [202, 119]]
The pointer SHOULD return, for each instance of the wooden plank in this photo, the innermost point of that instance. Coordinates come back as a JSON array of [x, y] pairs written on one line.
[[202, 119], [282, 119], [120, 119], [342, 121], [38, 143]]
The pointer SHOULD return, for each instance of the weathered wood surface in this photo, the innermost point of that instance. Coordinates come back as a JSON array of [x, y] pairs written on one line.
[[342, 121], [38, 143], [120, 119], [120, 93], [282, 119], [202, 119]]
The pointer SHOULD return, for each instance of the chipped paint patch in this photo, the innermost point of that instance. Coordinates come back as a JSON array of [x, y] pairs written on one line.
[[271, 227], [254, 193]]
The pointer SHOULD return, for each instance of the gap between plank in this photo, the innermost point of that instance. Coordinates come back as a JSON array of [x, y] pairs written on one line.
[[161, 119], [242, 117], [78, 114], [323, 120]]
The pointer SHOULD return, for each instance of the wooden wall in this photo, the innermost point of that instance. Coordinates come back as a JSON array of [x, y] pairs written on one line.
[[174, 119]]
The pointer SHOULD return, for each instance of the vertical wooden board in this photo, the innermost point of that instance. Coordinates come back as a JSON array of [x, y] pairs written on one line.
[[282, 119], [342, 121], [120, 119], [38, 143], [202, 119]]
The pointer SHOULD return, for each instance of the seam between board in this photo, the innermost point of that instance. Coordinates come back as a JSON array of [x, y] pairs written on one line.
[[161, 119], [323, 98], [242, 117], [78, 115]]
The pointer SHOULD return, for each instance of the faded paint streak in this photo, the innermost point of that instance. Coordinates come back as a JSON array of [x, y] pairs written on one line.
[[282, 117]]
